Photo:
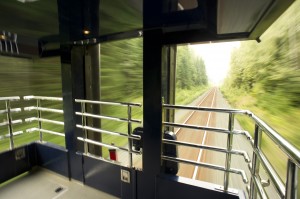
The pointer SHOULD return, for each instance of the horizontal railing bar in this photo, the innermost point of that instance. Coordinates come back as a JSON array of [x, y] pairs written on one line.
[[207, 165], [135, 137], [107, 145], [2, 137], [212, 148], [13, 122], [189, 126], [44, 120], [45, 131], [108, 118], [108, 103], [30, 97], [292, 152], [51, 110], [12, 98], [279, 186], [13, 110], [196, 108]]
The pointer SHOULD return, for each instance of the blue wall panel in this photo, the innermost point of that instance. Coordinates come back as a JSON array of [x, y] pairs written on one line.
[[52, 157], [102, 176], [14, 163]]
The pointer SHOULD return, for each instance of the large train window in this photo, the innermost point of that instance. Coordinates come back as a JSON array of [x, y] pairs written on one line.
[[29, 77], [121, 72]]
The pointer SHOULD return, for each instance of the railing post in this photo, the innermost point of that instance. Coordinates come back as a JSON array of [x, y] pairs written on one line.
[[39, 116], [255, 161], [229, 148], [291, 181], [129, 134], [10, 128], [83, 121]]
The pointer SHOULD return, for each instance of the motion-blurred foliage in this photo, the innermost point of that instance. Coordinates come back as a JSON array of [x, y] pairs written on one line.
[[266, 76]]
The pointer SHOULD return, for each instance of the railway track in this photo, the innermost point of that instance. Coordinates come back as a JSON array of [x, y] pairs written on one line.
[[198, 137]]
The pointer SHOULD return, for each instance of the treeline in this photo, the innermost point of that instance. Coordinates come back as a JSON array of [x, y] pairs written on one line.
[[268, 74], [190, 71]]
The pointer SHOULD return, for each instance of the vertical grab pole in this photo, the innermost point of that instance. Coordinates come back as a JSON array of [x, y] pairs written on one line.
[[229, 148], [39, 114], [129, 134], [83, 122], [255, 161], [291, 181], [10, 128]]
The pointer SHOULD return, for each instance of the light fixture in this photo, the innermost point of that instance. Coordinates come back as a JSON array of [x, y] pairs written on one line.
[[86, 32], [27, 1]]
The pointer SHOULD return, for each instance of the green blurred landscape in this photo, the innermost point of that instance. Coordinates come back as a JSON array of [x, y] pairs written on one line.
[[265, 78]]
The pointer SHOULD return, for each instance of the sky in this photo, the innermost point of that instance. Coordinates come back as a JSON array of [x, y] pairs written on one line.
[[217, 59]]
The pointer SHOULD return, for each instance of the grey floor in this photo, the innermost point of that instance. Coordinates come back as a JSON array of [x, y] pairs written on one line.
[[44, 184]]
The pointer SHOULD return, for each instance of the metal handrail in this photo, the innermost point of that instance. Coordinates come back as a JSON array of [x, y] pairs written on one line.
[[30, 97], [10, 122], [256, 186], [108, 103], [39, 118], [84, 115]]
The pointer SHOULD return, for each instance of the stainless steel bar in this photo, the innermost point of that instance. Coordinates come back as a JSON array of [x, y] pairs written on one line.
[[261, 192], [2, 137], [84, 122], [10, 128], [196, 108], [212, 148], [109, 118], [44, 120], [206, 165], [255, 162], [108, 103], [134, 137], [12, 110], [30, 97], [12, 122], [229, 148], [291, 181], [129, 129], [44, 131], [50, 110], [279, 186], [13, 98], [108, 145], [291, 151], [219, 130], [39, 115]]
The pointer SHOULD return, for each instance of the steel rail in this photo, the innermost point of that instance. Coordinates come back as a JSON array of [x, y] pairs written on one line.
[[134, 137], [107, 145], [50, 110], [44, 120], [292, 152], [12, 98], [208, 109], [204, 98], [12, 122], [12, 110], [109, 117], [207, 165], [196, 127], [108, 103], [212, 148], [2, 137], [31, 97], [44, 131]]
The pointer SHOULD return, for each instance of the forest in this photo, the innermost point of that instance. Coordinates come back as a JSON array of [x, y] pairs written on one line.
[[265, 78], [267, 74]]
